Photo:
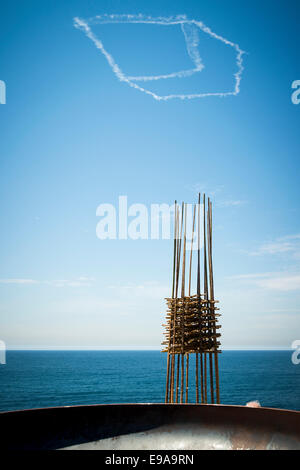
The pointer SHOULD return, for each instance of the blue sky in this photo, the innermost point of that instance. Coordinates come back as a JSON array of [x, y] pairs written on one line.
[[73, 136]]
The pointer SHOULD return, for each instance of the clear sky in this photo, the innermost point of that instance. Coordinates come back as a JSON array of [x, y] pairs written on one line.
[[73, 136]]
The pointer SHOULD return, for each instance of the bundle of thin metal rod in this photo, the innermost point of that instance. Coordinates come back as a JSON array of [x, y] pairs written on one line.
[[192, 320]]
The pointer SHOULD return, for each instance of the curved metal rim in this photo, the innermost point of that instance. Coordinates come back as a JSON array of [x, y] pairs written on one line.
[[65, 426], [296, 412]]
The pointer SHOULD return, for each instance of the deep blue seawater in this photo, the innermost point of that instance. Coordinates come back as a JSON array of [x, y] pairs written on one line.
[[33, 379]]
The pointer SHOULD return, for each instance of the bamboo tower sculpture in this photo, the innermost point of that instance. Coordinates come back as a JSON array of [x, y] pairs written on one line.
[[191, 326]]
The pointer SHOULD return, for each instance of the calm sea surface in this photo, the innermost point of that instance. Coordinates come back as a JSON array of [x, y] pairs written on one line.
[[33, 379]]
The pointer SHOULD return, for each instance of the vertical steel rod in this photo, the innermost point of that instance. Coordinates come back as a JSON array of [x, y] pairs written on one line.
[[173, 291], [187, 379], [199, 299], [212, 298], [177, 285], [197, 377], [174, 295], [201, 371], [177, 377], [182, 295], [205, 294], [210, 329]]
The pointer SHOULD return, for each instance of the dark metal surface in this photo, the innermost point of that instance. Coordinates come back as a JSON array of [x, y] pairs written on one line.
[[150, 426]]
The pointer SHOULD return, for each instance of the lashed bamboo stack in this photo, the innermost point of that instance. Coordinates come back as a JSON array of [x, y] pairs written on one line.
[[192, 320]]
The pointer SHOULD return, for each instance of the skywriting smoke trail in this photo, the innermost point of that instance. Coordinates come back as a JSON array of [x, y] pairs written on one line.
[[190, 30]]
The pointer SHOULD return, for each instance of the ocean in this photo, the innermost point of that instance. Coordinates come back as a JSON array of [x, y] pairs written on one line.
[[34, 379]]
